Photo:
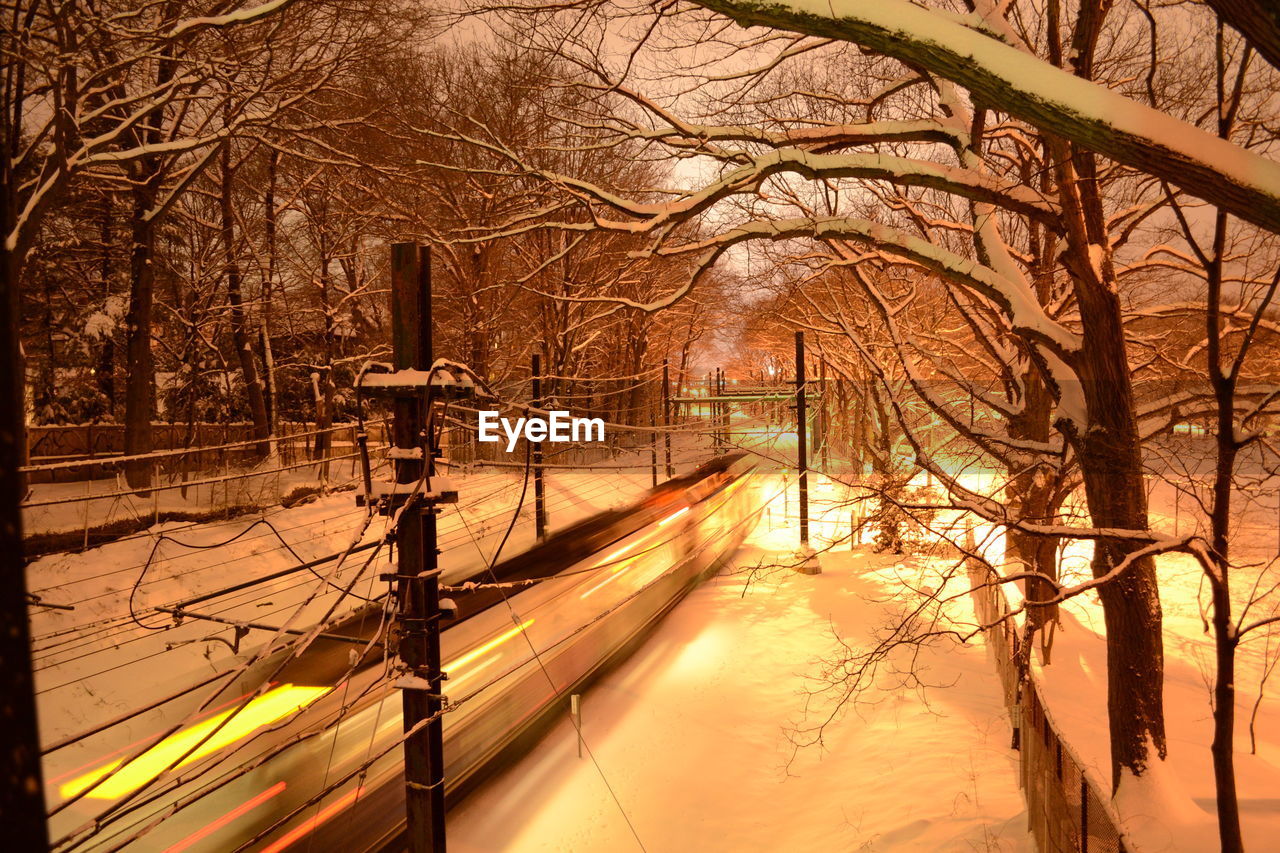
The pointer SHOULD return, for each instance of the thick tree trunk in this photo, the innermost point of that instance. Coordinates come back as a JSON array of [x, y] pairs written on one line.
[[21, 782], [239, 334], [1030, 498], [1110, 457], [1111, 462], [140, 381]]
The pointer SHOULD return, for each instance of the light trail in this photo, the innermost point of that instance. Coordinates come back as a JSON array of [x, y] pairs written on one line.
[[202, 739], [617, 570], [324, 814], [238, 811], [486, 648]]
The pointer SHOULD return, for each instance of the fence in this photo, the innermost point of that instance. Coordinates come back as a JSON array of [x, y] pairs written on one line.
[[93, 447], [1066, 812], [81, 502]]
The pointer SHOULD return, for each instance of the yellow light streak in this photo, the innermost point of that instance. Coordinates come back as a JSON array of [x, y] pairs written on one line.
[[618, 553], [486, 648], [271, 706]]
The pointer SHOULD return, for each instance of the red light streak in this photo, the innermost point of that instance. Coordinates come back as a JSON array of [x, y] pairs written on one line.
[[226, 818], [311, 823]]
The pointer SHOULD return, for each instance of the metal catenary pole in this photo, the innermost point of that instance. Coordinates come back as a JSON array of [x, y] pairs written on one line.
[[714, 396], [802, 449], [539, 486], [722, 409], [417, 584], [666, 416], [824, 411]]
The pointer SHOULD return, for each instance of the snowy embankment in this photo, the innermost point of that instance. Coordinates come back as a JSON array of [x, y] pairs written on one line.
[[1173, 810], [692, 732]]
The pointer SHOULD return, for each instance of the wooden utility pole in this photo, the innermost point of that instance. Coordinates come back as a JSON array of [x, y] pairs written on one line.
[[22, 786], [539, 486], [802, 449], [666, 415], [417, 581]]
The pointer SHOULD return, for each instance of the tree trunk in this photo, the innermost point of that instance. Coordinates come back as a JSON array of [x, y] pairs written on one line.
[[22, 784], [268, 293], [140, 380], [1110, 457], [1111, 462], [325, 387], [239, 334], [1030, 499], [1224, 633], [106, 368]]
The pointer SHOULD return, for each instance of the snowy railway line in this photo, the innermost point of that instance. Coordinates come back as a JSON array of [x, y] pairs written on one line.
[[254, 770]]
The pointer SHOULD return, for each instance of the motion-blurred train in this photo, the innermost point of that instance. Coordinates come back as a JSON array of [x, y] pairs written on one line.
[[593, 591]]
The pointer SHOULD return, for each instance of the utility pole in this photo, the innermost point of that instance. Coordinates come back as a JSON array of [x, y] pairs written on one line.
[[666, 416], [22, 787], [413, 388], [715, 409], [539, 487], [802, 449]]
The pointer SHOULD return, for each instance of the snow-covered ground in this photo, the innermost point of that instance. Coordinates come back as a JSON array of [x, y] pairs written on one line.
[[690, 737], [1174, 809], [691, 734]]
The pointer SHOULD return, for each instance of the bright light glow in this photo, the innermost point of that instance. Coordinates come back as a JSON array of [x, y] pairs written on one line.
[[613, 576], [617, 570], [486, 648], [673, 517], [311, 823], [472, 670], [618, 553], [226, 818], [266, 709]]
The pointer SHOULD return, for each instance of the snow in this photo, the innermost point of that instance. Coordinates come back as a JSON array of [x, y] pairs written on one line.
[[692, 732], [239, 16], [1025, 75], [104, 323], [1172, 808]]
